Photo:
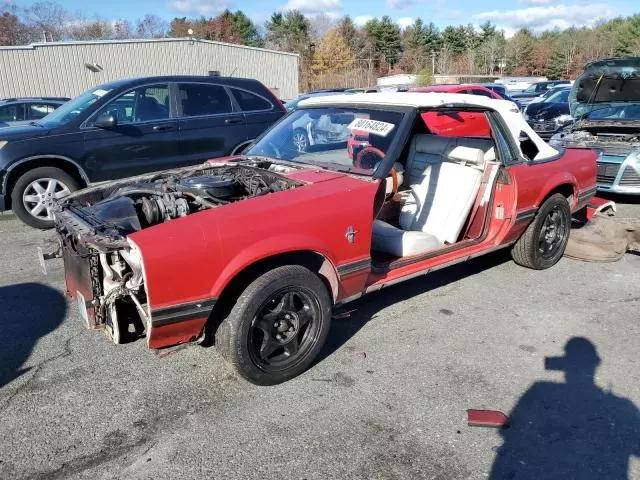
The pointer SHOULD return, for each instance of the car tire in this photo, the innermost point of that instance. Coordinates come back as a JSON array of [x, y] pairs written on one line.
[[25, 187], [300, 140], [543, 242], [277, 326]]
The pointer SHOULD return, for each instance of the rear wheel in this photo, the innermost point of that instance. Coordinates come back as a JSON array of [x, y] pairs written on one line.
[[544, 241], [36, 192], [278, 325]]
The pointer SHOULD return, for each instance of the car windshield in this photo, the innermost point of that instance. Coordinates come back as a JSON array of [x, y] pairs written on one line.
[[615, 112], [560, 96], [531, 89], [343, 139], [70, 110]]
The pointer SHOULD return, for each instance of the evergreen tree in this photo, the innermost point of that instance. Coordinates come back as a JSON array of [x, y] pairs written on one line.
[[385, 35]]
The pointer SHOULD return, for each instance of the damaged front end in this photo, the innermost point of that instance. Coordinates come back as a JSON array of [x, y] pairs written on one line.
[[104, 268], [605, 101], [619, 153]]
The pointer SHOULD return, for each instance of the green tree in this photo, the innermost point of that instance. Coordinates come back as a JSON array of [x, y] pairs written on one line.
[[385, 36], [557, 65], [244, 27], [455, 39], [424, 78], [289, 31], [519, 52]]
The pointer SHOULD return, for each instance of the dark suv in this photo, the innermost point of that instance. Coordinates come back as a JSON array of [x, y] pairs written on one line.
[[14, 111], [127, 128]]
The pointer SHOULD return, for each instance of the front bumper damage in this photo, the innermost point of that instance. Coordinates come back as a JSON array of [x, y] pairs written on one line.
[[106, 278]]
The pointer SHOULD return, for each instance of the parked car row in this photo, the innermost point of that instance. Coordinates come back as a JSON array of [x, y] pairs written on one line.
[[126, 128]]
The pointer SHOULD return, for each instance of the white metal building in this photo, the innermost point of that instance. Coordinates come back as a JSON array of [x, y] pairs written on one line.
[[69, 68]]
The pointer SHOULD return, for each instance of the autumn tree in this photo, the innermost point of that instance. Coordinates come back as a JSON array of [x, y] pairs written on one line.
[[49, 20], [122, 29], [519, 53], [151, 26], [90, 30], [332, 54], [243, 27], [9, 29]]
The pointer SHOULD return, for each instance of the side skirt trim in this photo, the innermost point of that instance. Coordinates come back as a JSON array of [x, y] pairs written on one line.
[[181, 313]]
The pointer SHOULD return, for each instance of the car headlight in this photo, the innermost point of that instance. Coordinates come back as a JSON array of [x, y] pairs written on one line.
[[563, 120], [3, 143]]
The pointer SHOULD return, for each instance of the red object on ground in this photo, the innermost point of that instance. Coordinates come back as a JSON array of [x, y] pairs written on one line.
[[487, 418], [597, 204]]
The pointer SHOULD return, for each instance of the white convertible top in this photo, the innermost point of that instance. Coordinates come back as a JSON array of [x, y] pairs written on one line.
[[508, 110]]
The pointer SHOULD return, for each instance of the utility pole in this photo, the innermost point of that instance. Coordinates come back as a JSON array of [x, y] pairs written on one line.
[[433, 62]]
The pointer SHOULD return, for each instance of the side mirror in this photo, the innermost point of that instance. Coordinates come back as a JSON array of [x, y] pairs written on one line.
[[105, 120]]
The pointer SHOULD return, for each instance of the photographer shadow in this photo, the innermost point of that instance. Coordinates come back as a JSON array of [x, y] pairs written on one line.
[[570, 430]]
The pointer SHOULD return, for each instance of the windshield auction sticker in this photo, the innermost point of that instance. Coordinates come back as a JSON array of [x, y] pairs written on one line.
[[100, 92], [371, 126]]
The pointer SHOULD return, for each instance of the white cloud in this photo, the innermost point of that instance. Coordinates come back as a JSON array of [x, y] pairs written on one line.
[[537, 2], [549, 17], [311, 7], [360, 20], [404, 22], [199, 7]]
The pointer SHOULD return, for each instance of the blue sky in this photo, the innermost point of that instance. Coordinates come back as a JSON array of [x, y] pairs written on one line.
[[508, 15]]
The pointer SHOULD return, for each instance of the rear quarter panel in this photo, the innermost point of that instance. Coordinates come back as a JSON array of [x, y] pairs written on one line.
[[194, 257], [535, 180]]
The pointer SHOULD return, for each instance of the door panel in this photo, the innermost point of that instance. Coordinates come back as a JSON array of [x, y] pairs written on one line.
[[144, 140], [209, 125]]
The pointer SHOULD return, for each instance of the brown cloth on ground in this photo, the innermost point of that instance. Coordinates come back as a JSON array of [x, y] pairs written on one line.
[[604, 239]]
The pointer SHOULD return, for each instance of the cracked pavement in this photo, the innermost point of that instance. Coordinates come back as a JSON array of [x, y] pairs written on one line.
[[387, 399]]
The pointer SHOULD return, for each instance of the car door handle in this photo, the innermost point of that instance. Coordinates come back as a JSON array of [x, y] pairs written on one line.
[[232, 121], [162, 128]]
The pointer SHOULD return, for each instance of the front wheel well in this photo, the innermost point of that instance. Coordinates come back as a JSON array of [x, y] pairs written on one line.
[[314, 261], [64, 165]]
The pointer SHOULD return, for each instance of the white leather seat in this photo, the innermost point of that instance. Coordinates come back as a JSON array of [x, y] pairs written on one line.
[[441, 204], [427, 149], [437, 206], [387, 238]]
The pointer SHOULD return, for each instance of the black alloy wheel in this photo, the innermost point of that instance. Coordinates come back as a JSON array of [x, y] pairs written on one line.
[[543, 242], [277, 326], [553, 233], [284, 329]]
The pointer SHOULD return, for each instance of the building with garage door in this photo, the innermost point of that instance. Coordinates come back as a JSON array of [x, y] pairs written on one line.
[[66, 69]]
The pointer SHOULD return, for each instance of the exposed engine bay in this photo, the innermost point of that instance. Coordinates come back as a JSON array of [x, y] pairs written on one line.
[[609, 142], [116, 209], [105, 273]]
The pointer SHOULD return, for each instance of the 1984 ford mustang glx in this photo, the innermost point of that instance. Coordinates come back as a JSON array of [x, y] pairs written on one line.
[[260, 247]]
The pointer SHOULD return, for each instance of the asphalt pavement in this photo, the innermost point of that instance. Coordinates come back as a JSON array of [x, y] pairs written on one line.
[[386, 400]]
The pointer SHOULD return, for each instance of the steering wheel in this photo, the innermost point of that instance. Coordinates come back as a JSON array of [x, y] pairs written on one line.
[[368, 158], [395, 183]]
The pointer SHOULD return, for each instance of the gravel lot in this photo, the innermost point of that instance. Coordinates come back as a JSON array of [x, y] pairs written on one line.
[[388, 398]]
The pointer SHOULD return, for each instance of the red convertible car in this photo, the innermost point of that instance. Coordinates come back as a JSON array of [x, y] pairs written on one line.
[[259, 248]]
